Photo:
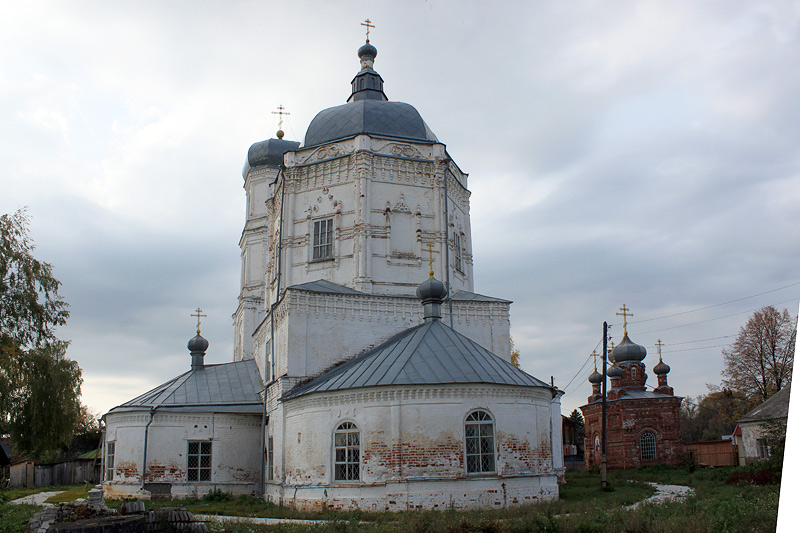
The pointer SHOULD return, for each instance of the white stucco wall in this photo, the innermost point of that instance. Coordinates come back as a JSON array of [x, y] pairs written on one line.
[[412, 448], [235, 439]]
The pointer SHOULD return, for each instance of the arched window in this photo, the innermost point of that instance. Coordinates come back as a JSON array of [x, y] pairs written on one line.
[[647, 446], [347, 452], [633, 372], [479, 438]]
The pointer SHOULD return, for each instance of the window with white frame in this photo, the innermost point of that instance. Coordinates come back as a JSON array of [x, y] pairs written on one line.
[[479, 440], [198, 460], [647, 446], [458, 262], [110, 451], [323, 240], [347, 452], [633, 372]]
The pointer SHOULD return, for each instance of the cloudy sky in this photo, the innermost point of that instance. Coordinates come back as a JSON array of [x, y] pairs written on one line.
[[643, 153]]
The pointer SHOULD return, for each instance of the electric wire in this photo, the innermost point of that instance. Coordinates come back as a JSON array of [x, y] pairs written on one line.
[[716, 305], [713, 319]]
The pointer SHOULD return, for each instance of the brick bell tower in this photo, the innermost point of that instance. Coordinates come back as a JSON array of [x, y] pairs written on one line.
[[643, 426]]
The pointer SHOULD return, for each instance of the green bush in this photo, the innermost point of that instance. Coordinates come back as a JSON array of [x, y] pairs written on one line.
[[217, 495]]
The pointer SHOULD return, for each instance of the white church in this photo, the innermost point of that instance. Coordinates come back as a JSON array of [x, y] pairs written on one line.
[[366, 372]]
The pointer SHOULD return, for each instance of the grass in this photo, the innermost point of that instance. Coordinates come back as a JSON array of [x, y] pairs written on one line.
[[72, 493], [583, 507]]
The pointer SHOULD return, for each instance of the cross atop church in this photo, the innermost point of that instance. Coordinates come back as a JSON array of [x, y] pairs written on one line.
[[430, 251], [198, 313], [624, 314], [659, 344], [280, 112], [368, 24], [594, 356]]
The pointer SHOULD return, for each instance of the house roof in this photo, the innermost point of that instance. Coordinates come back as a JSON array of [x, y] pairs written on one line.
[[230, 387], [776, 406], [428, 354]]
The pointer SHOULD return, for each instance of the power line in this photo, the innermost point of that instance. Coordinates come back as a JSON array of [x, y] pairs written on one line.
[[717, 305], [583, 365], [700, 340], [693, 349], [712, 319]]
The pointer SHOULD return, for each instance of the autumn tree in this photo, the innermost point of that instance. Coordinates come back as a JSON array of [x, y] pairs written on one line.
[[514, 353], [39, 385], [759, 362], [710, 416]]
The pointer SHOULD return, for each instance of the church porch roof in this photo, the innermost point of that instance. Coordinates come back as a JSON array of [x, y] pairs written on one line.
[[229, 387]]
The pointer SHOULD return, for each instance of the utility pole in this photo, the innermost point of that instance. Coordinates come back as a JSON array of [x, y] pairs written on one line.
[[603, 482]]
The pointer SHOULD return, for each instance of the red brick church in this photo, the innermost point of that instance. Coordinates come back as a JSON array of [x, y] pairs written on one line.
[[643, 426]]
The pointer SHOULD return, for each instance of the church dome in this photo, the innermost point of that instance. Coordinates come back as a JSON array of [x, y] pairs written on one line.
[[431, 290], [614, 371], [595, 377], [629, 351], [376, 117], [197, 344], [661, 368], [268, 153], [368, 111], [367, 50]]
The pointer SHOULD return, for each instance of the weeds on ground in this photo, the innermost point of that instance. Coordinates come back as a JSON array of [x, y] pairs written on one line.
[[14, 518]]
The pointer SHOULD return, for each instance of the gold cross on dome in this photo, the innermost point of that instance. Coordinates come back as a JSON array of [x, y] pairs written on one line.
[[594, 356], [430, 251], [659, 344], [198, 314], [281, 112], [368, 24], [624, 314]]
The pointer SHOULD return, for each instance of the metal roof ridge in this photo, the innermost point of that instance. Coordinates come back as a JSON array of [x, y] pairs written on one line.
[[414, 339]]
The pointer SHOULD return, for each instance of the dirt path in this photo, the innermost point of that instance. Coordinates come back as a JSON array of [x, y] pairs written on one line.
[[36, 499], [665, 493]]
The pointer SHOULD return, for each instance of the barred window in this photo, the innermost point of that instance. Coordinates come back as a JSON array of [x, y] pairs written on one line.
[[347, 452], [458, 263], [479, 439], [323, 239], [110, 449], [648, 446], [198, 457]]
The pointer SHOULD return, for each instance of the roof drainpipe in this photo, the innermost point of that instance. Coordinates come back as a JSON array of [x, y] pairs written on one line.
[[144, 455], [279, 259]]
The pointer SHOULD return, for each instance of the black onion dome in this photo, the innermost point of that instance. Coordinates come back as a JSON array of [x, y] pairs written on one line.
[[197, 344], [595, 377], [661, 368], [268, 153], [629, 351], [367, 50], [389, 119], [614, 371], [431, 290]]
